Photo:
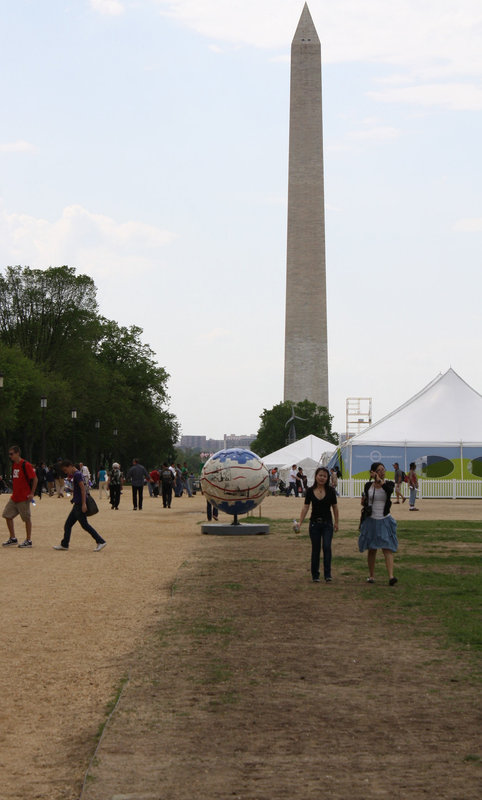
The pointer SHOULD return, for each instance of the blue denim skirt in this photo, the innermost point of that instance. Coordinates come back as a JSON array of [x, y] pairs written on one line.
[[378, 533]]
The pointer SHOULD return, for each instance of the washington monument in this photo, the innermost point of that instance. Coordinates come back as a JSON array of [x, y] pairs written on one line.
[[306, 348]]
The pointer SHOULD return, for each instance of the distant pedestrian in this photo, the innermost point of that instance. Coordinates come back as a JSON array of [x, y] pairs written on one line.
[[378, 530], [51, 481], [398, 478], [412, 486], [115, 485], [178, 487], [137, 474], [102, 482], [185, 479], [59, 478], [85, 474], [167, 482], [334, 479], [155, 476], [24, 483], [300, 485], [273, 480], [41, 472], [211, 511], [292, 482], [79, 508]]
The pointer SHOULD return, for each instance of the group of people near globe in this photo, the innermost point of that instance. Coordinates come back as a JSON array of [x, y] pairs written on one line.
[[297, 482], [165, 481]]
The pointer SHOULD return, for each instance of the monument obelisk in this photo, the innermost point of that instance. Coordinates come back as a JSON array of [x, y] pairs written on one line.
[[306, 346]]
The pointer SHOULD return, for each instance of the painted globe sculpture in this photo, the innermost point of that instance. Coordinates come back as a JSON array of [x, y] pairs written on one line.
[[235, 480]]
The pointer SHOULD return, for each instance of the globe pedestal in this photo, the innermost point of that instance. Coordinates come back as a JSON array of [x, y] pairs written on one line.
[[235, 528]]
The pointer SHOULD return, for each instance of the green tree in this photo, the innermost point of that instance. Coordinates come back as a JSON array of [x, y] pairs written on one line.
[[273, 431], [54, 343], [43, 312], [21, 419]]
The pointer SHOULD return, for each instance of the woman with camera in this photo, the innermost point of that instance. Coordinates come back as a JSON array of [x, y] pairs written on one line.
[[378, 529]]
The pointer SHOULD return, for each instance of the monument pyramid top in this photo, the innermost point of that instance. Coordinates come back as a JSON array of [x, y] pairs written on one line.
[[306, 31]]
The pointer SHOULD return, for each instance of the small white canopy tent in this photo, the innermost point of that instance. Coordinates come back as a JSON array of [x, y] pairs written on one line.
[[309, 453], [442, 423]]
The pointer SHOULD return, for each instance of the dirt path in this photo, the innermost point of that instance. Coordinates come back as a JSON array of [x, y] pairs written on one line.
[[246, 680]]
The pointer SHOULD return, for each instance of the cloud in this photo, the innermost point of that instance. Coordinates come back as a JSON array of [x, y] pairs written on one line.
[[108, 7], [452, 96], [469, 225], [17, 147], [93, 243], [400, 32], [377, 133]]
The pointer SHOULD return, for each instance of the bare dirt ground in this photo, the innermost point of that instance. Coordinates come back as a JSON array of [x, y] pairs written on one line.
[[244, 679]]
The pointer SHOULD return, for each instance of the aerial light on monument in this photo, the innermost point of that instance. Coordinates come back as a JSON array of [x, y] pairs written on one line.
[[235, 481]]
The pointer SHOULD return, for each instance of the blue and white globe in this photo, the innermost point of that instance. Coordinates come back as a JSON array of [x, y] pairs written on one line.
[[235, 480]]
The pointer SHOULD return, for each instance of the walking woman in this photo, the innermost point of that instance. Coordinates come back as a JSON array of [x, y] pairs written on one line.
[[378, 529], [322, 498]]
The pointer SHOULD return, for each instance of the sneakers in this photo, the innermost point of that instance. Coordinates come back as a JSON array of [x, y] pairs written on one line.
[[10, 541], [99, 547], [60, 547], [316, 580], [392, 581], [26, 543]]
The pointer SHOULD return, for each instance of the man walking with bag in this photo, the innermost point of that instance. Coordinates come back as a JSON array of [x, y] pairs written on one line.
[[79, 509]]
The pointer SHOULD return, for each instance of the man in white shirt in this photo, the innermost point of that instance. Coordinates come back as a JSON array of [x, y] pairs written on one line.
[[292, 483]]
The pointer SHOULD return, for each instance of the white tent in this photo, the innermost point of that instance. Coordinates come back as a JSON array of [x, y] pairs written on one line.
[[440, 429], [308, 453]]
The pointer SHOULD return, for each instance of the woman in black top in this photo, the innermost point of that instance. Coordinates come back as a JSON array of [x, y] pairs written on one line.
[[322, 498]]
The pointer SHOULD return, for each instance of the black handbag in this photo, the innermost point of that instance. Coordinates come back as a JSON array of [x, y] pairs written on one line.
[[366, 509], [92, 507]]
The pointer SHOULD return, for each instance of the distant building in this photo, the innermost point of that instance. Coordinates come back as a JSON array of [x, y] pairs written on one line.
[[192, 443], [238, 440], [202, 443], [213, 445]]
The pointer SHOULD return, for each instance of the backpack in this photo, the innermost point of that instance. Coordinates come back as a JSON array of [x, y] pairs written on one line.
[[29, 480], [404, 476], [166, 476], [115, 477]]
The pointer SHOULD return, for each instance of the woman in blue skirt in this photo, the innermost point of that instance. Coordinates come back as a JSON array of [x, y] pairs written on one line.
[[378, 530]]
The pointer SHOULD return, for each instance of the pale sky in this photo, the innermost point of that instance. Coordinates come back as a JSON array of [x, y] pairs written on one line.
[[145, 143]]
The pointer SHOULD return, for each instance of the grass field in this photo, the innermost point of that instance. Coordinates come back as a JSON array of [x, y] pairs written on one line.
[[439, 570]]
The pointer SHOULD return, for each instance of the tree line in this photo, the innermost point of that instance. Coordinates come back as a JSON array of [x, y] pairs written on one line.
[[105, 397]]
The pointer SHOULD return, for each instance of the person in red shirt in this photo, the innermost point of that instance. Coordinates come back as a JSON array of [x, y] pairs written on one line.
[[155, 478], [24, 480]]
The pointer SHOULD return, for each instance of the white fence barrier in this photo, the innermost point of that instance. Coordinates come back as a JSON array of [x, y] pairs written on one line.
[[427, 488]]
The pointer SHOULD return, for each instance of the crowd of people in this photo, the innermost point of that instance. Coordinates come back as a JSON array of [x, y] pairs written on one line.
[[377, 531], [297, 481]]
